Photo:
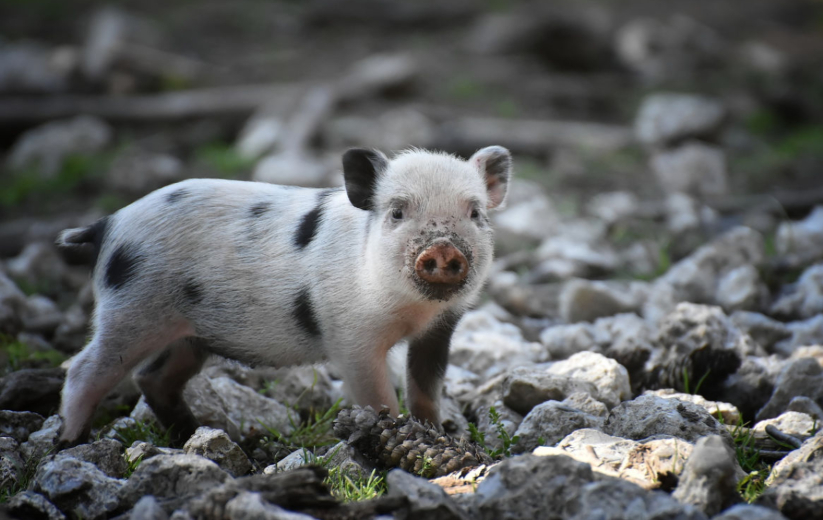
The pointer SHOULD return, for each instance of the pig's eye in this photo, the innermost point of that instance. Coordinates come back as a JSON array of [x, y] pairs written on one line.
[[397, 214], [475, 214]]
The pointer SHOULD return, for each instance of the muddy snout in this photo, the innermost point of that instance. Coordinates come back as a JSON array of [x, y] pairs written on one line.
[[442, 263]]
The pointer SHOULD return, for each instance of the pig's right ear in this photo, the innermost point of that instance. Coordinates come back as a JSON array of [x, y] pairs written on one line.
[[361, 168]]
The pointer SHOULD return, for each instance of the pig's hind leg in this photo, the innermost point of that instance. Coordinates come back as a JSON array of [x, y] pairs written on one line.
[[162, 382], [121, 341]]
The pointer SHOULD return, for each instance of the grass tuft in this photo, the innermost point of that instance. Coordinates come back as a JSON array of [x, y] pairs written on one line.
[[502, 434], [312, 433], [348, 488], [144, 431], [15, 355]]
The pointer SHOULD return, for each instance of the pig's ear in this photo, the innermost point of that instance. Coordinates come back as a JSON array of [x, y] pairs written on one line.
[[495, 163], [361, 168]]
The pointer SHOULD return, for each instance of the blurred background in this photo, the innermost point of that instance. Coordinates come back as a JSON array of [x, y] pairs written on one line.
[[669, 121]]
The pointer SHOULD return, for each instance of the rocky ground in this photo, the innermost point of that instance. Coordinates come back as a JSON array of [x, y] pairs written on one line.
[[651, 340]]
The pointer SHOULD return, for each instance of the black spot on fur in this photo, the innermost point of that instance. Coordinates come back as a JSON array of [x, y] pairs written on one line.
[[307, 228], [259, 209], [193, 292], [304, 314], [122, 266], [428, 355], [176, 195]]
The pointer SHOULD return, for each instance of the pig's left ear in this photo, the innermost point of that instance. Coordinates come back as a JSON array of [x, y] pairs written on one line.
[[361, 168], [495, 163]]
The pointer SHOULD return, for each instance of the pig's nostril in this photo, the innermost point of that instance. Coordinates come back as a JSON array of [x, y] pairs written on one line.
[[453, 267], [430, 265]]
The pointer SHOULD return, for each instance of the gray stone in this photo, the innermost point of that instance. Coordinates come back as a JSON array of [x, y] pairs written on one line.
[[749, 512], [709, 478], [584, 300], [32, 389], [484, 345], [587, 404], [548, 423], [806, 298], [28, 504], [527, 486], [649, 415], [793, 423], [175, 478], [46, 147], [458, 381], [628, 339], [610, 379], [616, 499], [524, 388], [77, 486], [12, 464], [692, 326], [19, 425], [685, 214], [804, 332], [40, 265], [452, 418], [12, 301], [796, 482], [141, 450], [27, 67], [668, 117], [147, 508], [741, 289], [729, 412], [696, 277], [516, 221], [224, 404], [562, 341], [639, 462], [293, 460], [251, 506], [305, 388], [613, 206], [693, 168], [764, 330], [751, 387], [106, 454], [802, 377], [426, 500], [608, 451], [587, 256], [40, 315], [42, 441], [216, 446], [807, 406], [70, 335], [801, 242]]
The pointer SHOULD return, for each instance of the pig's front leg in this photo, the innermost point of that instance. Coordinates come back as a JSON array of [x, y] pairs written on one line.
[[366, 374], [427, 361]]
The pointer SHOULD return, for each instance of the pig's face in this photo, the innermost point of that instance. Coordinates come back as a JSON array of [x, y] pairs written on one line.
[[429, 230]]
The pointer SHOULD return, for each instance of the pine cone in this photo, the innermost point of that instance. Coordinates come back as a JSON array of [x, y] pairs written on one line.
[[406, 443]]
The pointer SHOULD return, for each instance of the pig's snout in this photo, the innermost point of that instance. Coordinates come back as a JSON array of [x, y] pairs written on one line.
[[442, 263]]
